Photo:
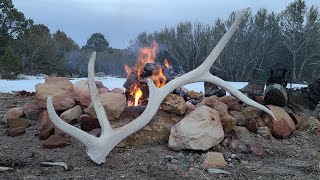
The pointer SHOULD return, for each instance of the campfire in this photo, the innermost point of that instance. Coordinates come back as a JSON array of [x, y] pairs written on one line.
[[136, 87]]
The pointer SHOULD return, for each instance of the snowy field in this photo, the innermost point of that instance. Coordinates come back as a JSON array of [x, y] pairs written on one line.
[[28, 84]]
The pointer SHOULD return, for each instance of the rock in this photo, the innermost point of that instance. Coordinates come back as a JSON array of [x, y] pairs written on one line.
[[61, 89], [95, 132], [284, 125], [252, 125], [259, 99], [256, 149], [241, 119], [260, 122], [316, 132], [17, 123], [190, 107], [194, 95], [87, 123], [175, 104], [199, 130], [228, 122], [264, 132], [82, 94], [71, 114], [13, 113], [156, 131], [113, 104], [214, 160], [103, 90], [234, 143], [56, 141], [232, 103], [300, 122], [13, 132], [251, 112], [44, 126], [32, 110], [242, 133], [117, 90], [60, 133], [214, 103], [243, 148]]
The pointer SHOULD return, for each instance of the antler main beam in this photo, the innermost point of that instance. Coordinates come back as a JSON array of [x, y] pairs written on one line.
[[99, 147]]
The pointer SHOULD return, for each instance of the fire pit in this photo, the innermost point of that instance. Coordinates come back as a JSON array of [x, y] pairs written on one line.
[[136, 87]]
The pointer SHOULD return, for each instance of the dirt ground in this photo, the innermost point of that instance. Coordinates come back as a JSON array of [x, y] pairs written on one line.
[[295, 158]]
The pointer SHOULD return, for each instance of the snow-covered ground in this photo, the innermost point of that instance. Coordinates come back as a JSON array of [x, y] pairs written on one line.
[[28, 84]]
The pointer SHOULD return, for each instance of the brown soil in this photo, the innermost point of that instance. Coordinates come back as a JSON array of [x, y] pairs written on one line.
[[295, 158]]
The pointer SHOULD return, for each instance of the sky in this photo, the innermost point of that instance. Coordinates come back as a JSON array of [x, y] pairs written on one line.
[[122, 20]]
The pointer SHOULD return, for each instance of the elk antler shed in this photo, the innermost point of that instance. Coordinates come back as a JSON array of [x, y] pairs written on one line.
[[98, 148]]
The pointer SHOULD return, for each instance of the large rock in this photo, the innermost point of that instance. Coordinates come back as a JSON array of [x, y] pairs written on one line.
[[113, 103], [283, 126], [199, 130], [13, 113], [157, 131], [214, 160], [175, 104], [82, 94], [32, 110], [61, 89], [44, 126], [71, 114]]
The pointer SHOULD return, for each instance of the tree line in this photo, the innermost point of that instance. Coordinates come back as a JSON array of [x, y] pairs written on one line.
[[291, 37]]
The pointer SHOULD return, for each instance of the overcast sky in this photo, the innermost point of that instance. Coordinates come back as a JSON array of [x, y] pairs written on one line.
[[121, 20]]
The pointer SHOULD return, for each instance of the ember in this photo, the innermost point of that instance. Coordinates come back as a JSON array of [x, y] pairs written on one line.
[[145, 67]]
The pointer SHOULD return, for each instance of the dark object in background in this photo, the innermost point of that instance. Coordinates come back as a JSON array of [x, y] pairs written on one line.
[[275, 94], [256, 84], [212, 89], [305, 98], [278, 74]]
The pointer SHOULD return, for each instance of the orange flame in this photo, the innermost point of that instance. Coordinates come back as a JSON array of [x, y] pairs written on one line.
[[136, 92], [166, 63], [159, 78], [128, 69], [146, 55]]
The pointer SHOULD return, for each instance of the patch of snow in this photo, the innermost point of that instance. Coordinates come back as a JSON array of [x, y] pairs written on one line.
[[28, 84]]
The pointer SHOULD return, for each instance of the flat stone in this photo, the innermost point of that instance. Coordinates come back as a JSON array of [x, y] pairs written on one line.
[[13, 132], [214, 160], [13, 113], [17, 123], [56, 141]]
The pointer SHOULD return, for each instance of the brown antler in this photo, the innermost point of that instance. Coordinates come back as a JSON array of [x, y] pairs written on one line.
[[99, 147]]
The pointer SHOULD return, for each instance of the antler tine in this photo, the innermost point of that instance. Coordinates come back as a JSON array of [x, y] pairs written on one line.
[[236, 93], [82, 136], [98, 107], [206, 65]]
